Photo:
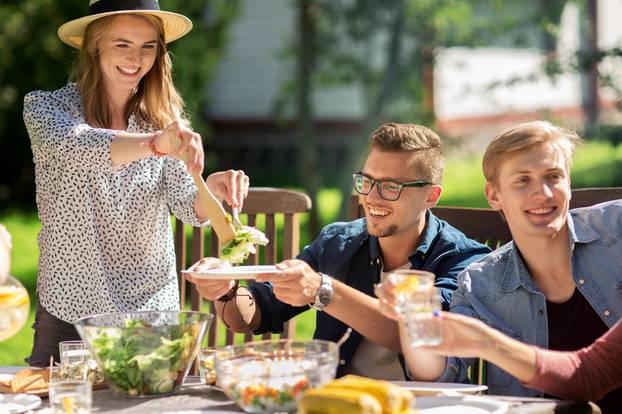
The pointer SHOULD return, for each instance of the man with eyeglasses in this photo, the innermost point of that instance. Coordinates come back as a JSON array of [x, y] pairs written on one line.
[[336, 273]]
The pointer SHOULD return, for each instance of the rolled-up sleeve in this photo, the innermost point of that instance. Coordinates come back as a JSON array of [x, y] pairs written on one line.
[[180, 191], [58, 131]]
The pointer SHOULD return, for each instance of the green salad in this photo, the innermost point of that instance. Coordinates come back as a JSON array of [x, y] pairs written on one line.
[[141, 359], [238, 249]]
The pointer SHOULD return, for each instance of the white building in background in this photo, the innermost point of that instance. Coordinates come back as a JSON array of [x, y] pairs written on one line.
[[253, 71]]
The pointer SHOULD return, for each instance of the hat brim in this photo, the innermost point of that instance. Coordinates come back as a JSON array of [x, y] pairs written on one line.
[[175, 25]]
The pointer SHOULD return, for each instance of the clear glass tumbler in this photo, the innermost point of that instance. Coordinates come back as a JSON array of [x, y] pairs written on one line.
[[409, 282], [207, 365], [73, 352], [71, 397], [421, 327]]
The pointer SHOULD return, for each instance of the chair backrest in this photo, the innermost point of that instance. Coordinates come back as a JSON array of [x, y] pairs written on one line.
[[482, 224], [585, 197], [262, 209]]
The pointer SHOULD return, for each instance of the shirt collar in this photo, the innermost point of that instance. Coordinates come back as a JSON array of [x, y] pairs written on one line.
[[429, 234], [516, 272]]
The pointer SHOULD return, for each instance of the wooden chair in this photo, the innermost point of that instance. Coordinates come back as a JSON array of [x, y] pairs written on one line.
[[262, 208]]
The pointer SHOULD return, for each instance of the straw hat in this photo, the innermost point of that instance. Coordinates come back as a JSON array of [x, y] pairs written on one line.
[[175, 25]]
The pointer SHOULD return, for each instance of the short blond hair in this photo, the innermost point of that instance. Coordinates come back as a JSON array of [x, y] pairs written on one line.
[[418, 139], [524, 137]]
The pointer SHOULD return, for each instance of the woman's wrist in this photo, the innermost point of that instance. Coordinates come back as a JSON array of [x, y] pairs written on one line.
[[151, 144]]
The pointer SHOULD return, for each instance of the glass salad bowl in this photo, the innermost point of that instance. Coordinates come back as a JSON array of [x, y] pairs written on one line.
[[144, 353], [270, 376]]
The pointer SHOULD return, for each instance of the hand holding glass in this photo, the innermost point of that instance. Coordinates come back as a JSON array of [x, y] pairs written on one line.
[[417, 299]]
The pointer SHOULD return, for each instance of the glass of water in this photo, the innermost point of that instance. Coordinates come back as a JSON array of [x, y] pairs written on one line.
[[73, 352], [421, 327], [207, 365], [408, 283], [70, 397]]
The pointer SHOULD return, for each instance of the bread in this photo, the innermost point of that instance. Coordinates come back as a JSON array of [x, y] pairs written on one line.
[[27, 380]]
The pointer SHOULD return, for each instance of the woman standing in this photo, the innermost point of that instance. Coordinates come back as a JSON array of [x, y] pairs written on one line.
[[109, 153]]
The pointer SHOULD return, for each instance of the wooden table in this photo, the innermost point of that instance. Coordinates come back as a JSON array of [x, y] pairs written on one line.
[[196, 398]]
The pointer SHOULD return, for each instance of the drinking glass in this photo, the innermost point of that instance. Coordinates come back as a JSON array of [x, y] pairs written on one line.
[[73, 352], [76, 362], [70, 397], [207, 365], [417, 299], [422, 329], [14, 307], [409, 282]]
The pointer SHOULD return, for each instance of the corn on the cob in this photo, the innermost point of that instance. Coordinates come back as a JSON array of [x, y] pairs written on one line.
[[333, 400], [391, 398], [407, 400]]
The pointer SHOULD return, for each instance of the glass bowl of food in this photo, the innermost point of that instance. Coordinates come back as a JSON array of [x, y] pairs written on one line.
[[270, 376], [144, 353]]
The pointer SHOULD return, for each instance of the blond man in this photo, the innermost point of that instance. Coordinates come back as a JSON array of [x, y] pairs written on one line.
[[558, 284], [335, 274]]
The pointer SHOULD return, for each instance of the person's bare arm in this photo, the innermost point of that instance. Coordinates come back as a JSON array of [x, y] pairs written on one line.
[[468, 337], [240, 314]]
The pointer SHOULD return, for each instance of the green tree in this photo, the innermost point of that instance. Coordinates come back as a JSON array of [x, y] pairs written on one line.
[[388, 49], [34, 58]]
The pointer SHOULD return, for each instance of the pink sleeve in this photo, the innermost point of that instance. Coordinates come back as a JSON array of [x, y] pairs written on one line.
[[586, 374]]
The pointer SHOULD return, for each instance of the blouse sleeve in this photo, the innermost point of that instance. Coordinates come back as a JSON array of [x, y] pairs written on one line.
[[587, 374], [58, 132], [180, 191]]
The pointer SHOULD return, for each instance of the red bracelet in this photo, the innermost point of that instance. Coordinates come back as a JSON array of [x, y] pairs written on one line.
[[152, 146]]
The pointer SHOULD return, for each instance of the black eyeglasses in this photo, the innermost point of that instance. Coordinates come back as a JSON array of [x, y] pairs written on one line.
[[388, 189]]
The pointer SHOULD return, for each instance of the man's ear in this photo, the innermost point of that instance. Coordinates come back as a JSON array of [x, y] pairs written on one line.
[[434, 195], [492, 195]]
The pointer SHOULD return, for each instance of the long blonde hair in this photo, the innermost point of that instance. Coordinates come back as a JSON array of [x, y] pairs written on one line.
[[155, 102]]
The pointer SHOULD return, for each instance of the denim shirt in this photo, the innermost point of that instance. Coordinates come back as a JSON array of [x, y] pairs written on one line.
[[348, 253], [500, 291]]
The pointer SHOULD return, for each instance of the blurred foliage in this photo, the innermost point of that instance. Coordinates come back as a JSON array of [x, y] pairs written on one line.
[[388, 49], [34, 58]]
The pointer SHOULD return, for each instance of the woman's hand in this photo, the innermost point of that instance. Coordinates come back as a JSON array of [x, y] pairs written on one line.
[[179, 141], [209, 289], [385, 292], [231, 186], [462, 336]]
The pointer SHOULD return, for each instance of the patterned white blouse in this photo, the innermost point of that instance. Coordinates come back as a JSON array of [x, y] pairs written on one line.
[[106, 242]]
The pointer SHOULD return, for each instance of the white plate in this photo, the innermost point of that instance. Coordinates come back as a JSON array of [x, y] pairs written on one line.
[[235, 272], [18, 403], [468, 404], [442, 388]]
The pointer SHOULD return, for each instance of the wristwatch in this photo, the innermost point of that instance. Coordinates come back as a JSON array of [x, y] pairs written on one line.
[[324, 294]]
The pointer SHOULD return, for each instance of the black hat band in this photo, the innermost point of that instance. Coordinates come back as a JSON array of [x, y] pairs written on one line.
[[107, 6]]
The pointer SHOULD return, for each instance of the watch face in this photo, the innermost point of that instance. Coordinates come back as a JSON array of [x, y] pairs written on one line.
[[325, 294]]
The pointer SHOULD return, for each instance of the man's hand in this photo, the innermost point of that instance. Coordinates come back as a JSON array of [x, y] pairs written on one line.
[[385, 292], [209, 289], [295, 283]]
